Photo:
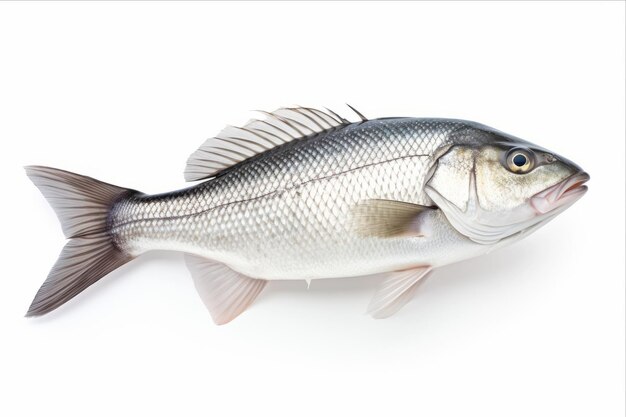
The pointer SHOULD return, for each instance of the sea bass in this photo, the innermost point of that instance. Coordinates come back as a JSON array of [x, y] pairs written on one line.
[[306, 194]]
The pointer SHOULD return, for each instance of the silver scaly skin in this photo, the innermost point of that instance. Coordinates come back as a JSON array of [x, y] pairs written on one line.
[[286, 215], [337, 200]]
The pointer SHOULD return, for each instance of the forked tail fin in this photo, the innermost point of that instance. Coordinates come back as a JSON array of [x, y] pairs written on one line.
[[82, 205]]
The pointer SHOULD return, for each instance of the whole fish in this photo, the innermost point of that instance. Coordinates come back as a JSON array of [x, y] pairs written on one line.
[[306, 194]]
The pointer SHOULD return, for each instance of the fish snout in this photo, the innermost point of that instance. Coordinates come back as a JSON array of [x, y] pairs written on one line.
[[564, 193]]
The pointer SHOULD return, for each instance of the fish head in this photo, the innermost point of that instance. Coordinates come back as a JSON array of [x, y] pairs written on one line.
[[492, 186]]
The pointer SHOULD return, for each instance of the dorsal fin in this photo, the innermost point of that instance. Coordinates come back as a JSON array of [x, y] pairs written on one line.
[[235, 144]]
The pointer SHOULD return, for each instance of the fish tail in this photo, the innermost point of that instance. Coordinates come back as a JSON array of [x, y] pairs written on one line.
[[82, 205]]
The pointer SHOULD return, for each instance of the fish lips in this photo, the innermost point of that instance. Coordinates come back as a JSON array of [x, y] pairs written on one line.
[[564, 193]]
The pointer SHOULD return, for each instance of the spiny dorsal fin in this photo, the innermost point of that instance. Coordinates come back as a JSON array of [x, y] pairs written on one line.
[[235, 144]]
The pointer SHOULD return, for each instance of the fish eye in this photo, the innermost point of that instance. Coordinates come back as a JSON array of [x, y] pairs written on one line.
[[520, 161]]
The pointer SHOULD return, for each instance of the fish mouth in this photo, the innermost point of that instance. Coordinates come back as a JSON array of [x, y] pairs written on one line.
[[564, 193]]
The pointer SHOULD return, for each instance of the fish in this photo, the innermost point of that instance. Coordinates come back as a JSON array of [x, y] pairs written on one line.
[[304, 194]]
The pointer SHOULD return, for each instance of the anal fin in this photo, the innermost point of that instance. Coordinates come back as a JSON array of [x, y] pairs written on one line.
[[396, 290], [226, 293]]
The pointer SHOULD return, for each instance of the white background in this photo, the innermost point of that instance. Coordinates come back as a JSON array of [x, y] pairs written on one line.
[[125, 92]]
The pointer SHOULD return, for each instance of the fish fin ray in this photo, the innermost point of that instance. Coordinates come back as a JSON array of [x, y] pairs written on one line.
[[81, 203], [389, 218], [225, 292], [395, 291], [236, 144], [358, 113]]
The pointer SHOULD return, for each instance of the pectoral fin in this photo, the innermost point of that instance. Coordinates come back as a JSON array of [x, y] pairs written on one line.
[[396, 290], [225, 293], [389, 218]]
